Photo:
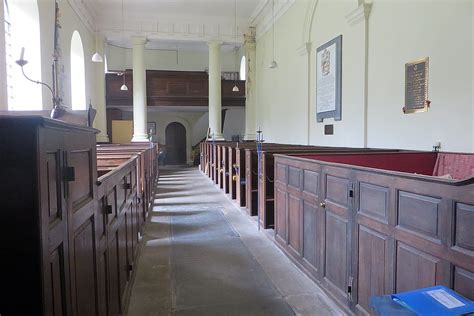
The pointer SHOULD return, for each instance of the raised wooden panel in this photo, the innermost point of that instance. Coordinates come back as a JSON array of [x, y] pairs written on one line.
[[294, 175], [102, 275], [281, 173], [310, 182], [81, 188], [464, 282], [280, 207], [336, 251], [373, 201], [337, 190], [464, 229], [414, 268], [114, 275], [419, 213], [294, 223], [57, 295], [371, 265], [311, 251], [101, 224], [54, 187], [84, 257]]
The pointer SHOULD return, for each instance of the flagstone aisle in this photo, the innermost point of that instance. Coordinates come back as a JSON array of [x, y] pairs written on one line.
[[203, 256]]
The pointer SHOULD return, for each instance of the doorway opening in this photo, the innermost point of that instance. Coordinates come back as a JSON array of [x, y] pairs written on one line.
[[175, 144]]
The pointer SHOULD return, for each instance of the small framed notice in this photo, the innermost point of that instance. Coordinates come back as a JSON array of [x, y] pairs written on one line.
[[416, 86], [329, 80]]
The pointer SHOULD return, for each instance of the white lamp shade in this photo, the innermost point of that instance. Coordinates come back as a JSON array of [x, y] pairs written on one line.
[[235, 89], [273, 65], [124, 88], [97, 58]]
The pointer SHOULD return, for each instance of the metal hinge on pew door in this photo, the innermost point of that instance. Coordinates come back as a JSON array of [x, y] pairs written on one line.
[[349, 288]]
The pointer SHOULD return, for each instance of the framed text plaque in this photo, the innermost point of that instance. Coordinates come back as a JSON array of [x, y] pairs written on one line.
[[329, 80], [416, 86]]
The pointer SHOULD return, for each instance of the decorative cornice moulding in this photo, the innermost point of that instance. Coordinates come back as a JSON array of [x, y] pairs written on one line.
[[262, 17], [361, 13]]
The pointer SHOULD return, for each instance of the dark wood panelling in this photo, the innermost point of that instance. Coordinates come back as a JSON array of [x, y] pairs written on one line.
[[310, 182], [415, 269], [57, 302], [464, 238], [294, 223], [281, 173], [373, 201], [380, 232], [172, 88], [294, 175], [419, 213], [371, 266], [69, 254], [336, 252], [84, 254], [464, 282], [337, 190], [81, 188], [311, 251], [280, 213]]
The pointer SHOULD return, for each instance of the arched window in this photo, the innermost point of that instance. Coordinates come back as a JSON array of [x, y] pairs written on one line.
[[22, 30], [243, 68], [78, 73]]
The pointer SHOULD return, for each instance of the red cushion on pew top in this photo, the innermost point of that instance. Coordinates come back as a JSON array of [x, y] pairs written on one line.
[[420, 162], [459, 166]]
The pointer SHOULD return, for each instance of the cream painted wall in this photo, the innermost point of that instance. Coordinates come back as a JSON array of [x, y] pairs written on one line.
[[69, 23], [282, 92], [168, 60], [396, 35]]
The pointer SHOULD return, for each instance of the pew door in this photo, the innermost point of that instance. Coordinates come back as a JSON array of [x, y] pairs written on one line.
[[337, 204]]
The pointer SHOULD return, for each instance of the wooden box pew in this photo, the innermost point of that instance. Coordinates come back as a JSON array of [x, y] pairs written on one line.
[[75, 253], [118, 196], [214, 161], [266, 176], [378, 223], [251, 171], [148, 165]]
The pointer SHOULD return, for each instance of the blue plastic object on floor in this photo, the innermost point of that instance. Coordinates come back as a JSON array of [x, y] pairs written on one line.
[[436, 300]]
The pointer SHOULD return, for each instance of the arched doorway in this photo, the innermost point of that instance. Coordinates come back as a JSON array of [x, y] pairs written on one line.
[[175, 144]]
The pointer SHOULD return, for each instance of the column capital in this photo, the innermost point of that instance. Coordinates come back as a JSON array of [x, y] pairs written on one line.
[[250, 36], [139, 40], [215, 43]]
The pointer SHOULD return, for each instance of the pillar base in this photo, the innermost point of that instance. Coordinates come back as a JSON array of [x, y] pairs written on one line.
[[250, 137], [140, 138], [101, 138], [216, 137]]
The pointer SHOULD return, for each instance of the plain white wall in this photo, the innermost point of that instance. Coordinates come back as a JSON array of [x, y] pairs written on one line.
[[398, 32], [399, 35]]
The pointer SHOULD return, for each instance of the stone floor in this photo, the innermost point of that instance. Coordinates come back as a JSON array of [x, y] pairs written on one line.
[[202, 255]]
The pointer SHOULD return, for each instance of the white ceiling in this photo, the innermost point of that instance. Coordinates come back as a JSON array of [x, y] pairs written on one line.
[[181, 24]]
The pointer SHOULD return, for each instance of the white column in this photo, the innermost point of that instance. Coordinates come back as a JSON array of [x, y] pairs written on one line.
[[100, 121], [250, 85], [215, 98], [139, 91], [3, 69]]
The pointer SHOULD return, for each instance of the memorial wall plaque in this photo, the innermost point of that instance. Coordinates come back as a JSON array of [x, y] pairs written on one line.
[[329, 80], [416, 86]]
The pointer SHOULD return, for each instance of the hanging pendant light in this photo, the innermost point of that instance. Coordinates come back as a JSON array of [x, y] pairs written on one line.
[[235, 88], [124, 86], [273, 63], [97, 58]]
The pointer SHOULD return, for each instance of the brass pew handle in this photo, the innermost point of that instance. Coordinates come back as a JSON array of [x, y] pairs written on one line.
[[322, 204]]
